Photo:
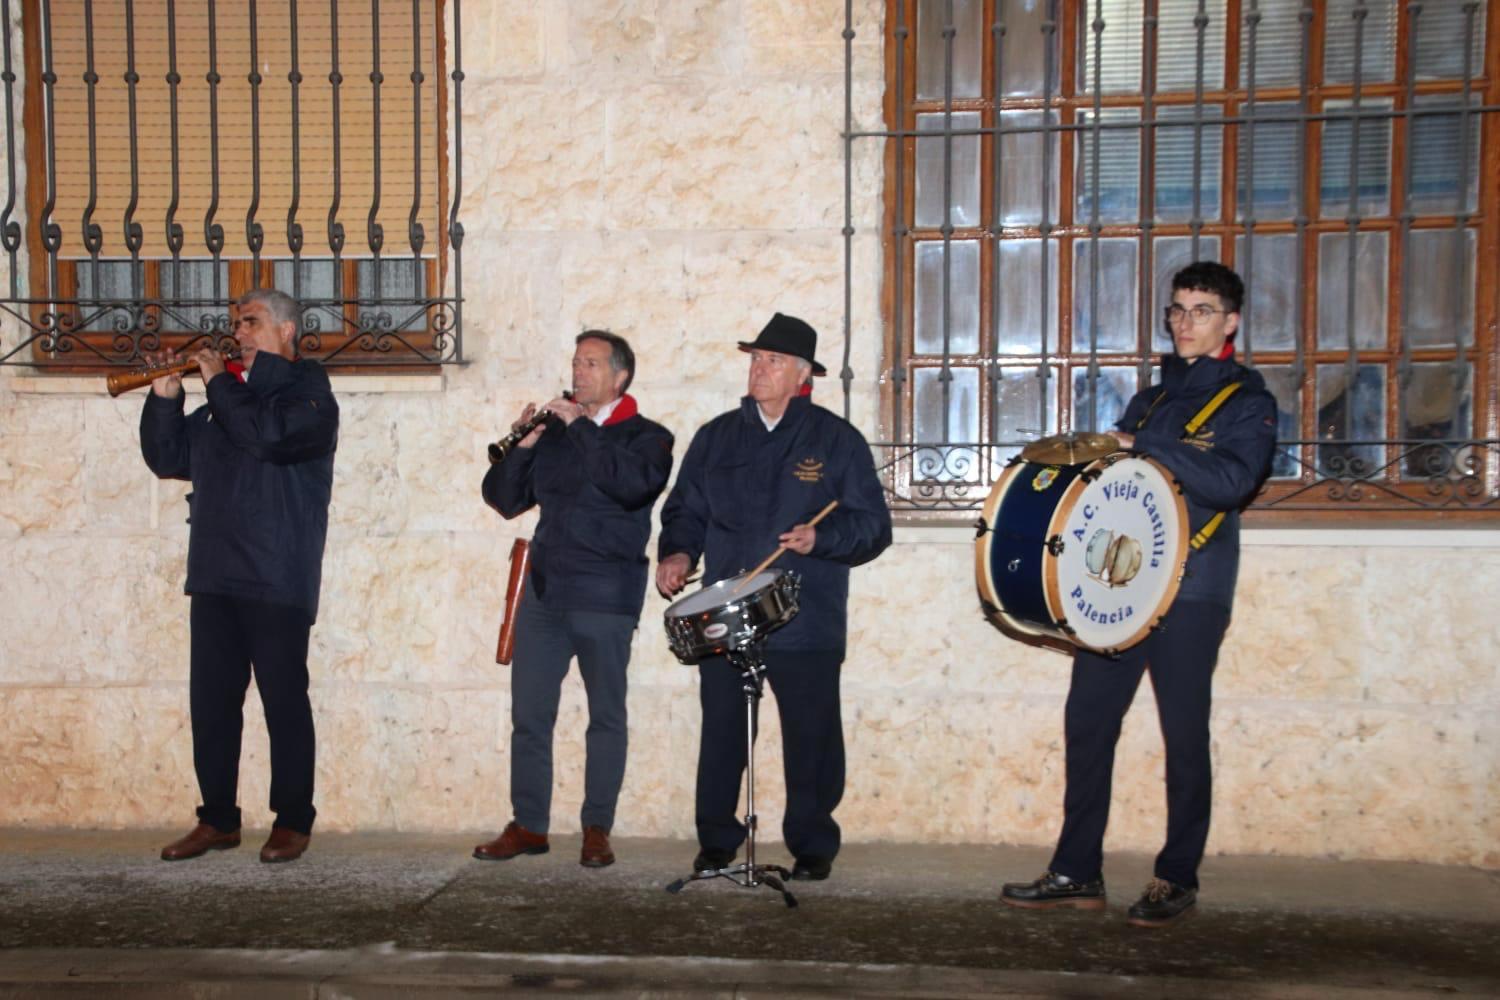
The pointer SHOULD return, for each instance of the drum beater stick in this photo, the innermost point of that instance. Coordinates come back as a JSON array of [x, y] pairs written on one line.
[[768, 560]]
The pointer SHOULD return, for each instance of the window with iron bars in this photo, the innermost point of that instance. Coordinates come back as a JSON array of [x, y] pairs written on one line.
[[177, 154], [1052, 165]]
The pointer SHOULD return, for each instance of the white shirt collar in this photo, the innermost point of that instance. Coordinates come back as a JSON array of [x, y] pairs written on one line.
[[604, 411], [770, 424]]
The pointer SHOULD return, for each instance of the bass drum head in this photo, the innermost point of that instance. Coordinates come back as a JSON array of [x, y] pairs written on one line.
[[1125, 543]]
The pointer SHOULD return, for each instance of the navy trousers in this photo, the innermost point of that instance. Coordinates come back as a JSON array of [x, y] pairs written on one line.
[[1181, 658], [806, 686], [546, 642], [230, 637]]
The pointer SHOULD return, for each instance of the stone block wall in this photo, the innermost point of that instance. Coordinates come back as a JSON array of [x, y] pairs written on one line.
[[674, 171]]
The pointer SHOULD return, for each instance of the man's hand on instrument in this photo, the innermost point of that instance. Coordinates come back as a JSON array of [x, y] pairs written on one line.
[[800, 539], [537, 432], [210, 364], [565, 409], [1127, 441], [167, 386], [672, 573]]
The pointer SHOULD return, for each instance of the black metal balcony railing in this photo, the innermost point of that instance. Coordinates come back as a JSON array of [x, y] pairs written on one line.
[[143, 283]]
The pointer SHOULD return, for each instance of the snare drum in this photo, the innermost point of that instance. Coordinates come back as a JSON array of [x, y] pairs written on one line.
[[731, 614], [1087, 555]]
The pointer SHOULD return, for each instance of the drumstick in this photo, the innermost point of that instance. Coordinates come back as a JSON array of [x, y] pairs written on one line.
[[768, 560]]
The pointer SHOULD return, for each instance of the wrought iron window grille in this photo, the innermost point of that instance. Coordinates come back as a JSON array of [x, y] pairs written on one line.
[[1050, 164], [117, 108]]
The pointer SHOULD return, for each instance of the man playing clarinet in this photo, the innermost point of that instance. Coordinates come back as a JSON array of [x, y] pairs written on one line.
[[595, 467]]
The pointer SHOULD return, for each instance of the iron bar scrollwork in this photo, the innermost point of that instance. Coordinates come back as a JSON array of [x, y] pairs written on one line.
[[71, 302]]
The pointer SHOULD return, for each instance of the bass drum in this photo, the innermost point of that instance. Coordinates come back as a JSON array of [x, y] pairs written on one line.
[[1081, 556]]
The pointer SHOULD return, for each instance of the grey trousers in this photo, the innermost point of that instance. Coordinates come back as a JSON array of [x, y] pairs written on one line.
[[546, 641]]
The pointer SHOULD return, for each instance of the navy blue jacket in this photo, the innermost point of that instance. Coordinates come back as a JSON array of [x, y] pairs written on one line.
[[1220, 468], [596, 486], [742, 486], [259, 454]]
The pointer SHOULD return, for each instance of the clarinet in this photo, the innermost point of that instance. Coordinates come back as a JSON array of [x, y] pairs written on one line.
[[503, 447]]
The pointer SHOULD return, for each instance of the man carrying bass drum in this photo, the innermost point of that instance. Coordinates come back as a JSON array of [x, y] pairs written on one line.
[[1220, 463], [752, 480]]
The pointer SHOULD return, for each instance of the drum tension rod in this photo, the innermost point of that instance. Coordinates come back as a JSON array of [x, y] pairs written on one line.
[[980, 527], [1055, 545]]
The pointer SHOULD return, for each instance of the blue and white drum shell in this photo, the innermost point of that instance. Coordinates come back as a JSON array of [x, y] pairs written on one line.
[[729, 615], [1087, 555]]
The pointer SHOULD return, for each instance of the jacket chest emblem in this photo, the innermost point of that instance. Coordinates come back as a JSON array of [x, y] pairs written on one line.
[[808, 470], [1203, 440]]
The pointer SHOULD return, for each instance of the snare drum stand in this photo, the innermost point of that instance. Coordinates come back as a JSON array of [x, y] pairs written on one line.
[[751, 662]]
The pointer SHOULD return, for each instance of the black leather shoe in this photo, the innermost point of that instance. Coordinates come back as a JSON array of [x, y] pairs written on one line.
[[1053, 891], [1162, 903], [811, 868], [711, 859]]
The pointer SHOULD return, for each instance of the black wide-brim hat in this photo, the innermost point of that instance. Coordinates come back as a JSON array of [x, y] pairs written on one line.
[[788, 335]]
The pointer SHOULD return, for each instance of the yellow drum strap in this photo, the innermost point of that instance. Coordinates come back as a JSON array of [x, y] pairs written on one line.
[[1209, 409], [1207, 531], [1199, 419]]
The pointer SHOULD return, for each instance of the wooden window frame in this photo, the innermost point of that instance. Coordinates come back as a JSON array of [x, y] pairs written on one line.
[[347, 352], [1069, 102]]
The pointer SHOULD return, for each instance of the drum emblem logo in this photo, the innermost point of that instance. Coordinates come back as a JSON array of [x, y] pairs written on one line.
[[809, 470], [717, 630], [1045, 478]]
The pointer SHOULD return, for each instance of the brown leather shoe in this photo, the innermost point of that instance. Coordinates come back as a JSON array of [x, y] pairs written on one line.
[[596, 852], [516, 839], [283, 845], [200, 841]]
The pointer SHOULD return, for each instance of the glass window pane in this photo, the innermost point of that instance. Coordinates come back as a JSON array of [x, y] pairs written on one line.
[[317, 279], [1117, 295], [1350, 411], [1437, 405], [964, 183], [1170, 254], [946, 464], [1436, 164], [115, 285], [1374, 176], [1439, 288], [1269, 186], [1177, 45], [1370, 282], [1119, 42], [1023, 54], [399, 304], [1275, 41], [968, 43], [1098, 403], [1368, 24], [1286, 463], [1019, 298], [1441, 29], [1021, 163], [192, 281], [1272, 316], [1188, 157], [1118, 181], [1019, 413], [963, 291]]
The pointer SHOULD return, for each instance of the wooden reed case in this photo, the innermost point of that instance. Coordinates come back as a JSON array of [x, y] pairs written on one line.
[[515, 590]]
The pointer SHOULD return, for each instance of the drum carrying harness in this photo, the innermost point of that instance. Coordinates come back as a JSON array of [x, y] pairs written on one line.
[[1200, 418]]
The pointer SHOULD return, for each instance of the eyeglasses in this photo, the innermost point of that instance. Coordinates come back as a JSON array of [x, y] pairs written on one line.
[[1201, 313]]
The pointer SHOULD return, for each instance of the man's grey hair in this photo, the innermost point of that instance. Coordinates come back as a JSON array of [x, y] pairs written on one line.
[[282, 307]]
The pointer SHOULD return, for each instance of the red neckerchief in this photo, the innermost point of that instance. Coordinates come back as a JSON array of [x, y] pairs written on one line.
[[623, 411], [236, 369], [806, 389], [1227, 352]]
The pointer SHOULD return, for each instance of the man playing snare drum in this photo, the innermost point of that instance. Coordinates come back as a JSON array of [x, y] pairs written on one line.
[[1220, 466], [751, 480]]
